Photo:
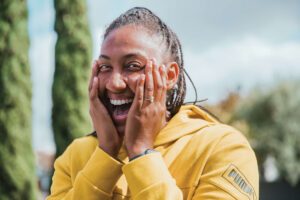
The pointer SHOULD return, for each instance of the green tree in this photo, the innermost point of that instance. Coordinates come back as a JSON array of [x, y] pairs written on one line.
[[17, 165], [273, 117], [70, 117]]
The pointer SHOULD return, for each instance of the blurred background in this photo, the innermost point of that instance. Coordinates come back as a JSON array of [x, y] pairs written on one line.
[[243, 57]]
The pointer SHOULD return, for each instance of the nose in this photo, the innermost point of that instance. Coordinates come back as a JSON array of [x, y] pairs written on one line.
[[116, 83]]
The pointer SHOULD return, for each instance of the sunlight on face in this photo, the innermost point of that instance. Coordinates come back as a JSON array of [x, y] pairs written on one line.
[[124, 54]]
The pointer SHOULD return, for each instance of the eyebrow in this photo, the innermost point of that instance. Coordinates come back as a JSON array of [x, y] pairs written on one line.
[[126, 56], [104, 56], [134, 55]]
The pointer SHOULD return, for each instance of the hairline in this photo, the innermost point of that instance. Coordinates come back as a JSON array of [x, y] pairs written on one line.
[[160, 38]]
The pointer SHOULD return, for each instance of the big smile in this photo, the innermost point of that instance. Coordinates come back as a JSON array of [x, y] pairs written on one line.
[[119, 109]]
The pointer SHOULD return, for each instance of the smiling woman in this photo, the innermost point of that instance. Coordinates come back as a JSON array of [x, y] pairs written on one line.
[[125, 56], [147, 144]]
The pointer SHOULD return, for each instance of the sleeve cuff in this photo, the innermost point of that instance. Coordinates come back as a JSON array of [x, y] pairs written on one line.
[[102, 170], [151, 164]]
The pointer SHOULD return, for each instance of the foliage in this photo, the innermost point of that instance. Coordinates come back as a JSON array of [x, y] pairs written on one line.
[[17, 171], [70, 116], [273, 117], [270, 121], [225, 112]]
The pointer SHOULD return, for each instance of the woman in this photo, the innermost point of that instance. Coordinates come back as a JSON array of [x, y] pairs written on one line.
[[147, 144]]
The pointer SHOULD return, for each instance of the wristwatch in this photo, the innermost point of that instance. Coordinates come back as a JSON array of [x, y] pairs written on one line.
[[147, 151]]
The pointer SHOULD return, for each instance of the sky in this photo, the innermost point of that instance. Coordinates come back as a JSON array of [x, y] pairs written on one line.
[[227, 45]]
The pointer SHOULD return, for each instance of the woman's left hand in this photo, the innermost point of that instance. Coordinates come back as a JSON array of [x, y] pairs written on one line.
[[147, 114]]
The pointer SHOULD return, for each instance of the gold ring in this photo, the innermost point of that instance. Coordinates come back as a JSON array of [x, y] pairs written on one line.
[[150, 98]]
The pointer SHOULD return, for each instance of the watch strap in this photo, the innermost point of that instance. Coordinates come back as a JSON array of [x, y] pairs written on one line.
[[147, 151]]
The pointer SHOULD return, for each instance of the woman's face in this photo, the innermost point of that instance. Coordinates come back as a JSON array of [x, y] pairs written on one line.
[[124, 54]]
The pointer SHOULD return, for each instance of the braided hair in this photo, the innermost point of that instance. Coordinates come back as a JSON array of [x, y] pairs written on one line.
[[144, 17]]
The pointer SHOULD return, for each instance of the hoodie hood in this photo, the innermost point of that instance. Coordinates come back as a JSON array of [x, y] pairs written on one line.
[[188, 120]]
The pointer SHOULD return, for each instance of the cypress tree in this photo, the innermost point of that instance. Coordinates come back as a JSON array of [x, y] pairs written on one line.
[[17, 166], [70, 116]]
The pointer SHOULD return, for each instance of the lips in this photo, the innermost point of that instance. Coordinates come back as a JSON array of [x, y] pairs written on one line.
[[118, 108]]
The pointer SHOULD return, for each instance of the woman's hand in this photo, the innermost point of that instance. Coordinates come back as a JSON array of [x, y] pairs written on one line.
[[109, 139], [147, 114]]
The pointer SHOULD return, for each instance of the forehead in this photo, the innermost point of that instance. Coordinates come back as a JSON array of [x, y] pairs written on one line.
[[133, 39]]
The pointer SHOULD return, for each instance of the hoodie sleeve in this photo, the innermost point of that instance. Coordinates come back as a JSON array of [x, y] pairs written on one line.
[[148, 178], [95, 181], [231, 171]]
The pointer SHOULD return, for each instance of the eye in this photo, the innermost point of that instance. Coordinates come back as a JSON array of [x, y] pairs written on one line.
[[134, 66], [104, 68]]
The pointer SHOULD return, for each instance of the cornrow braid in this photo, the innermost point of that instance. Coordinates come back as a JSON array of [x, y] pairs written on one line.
[[144, 17]]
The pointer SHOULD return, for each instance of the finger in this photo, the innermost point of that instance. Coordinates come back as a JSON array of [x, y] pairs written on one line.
[[94, 73], [149, 89], [94, 90], [163, 73], [158, 84], [95, 101], [140, 91]]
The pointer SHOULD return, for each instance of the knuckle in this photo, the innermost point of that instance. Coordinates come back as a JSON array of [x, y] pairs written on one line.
[[150, 88], [160, 87], [159, 108]]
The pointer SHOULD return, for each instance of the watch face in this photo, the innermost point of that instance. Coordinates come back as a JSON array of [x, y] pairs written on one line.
[[150, 151], [147, 151]]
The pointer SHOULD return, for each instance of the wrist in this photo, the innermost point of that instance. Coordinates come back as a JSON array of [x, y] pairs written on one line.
[[147, 151], [133, 151], [113, 152]]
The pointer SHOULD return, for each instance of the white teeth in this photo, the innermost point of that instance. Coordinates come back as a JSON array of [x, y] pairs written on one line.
[[120, 102]]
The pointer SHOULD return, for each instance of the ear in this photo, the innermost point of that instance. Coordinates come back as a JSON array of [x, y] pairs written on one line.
[[172, 74]]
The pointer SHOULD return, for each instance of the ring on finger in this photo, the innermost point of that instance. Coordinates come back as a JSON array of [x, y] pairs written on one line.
[[150, 98]]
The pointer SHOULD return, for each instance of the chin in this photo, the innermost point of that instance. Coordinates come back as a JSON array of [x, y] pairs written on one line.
[[121, 130]]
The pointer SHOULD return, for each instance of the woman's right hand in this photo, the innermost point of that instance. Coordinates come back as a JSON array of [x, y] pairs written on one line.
[[108, 137]]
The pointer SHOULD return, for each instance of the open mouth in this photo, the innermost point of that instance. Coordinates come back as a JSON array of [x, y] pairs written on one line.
[[119, 109]]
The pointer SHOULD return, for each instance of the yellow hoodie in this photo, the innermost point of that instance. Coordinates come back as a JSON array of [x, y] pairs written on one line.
[[198, 158]]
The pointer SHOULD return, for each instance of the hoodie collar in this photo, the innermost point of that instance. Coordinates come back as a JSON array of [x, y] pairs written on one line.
[[189, 119]]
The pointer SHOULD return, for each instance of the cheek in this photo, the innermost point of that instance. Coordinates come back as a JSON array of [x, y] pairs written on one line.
[[132, 80]]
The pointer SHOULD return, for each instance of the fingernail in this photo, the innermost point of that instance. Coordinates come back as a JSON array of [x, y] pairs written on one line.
[[156, 66], [154, 60], [142, 77], [150, 63], [150, 67]]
